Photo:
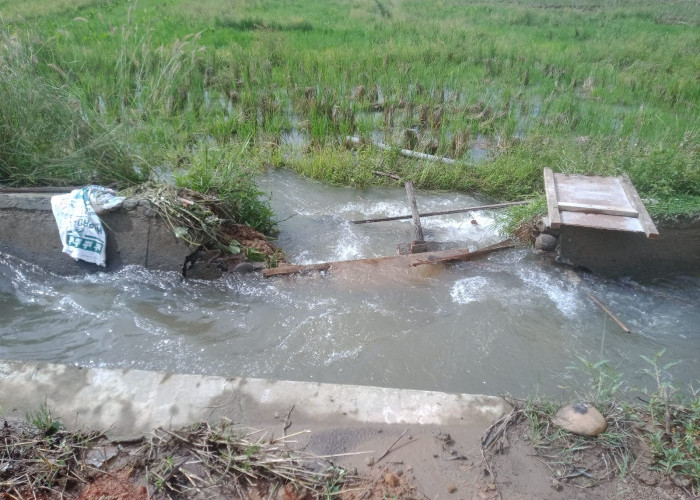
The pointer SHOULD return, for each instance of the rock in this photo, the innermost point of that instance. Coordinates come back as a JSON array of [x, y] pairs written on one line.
[[248, 267], [546, 242], [580, 418], [369, 461], [451, 488], [544, 225]]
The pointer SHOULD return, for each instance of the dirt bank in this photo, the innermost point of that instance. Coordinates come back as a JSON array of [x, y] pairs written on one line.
[[291, 461]]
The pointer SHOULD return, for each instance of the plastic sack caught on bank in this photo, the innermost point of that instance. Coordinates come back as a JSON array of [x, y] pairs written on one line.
[[80, 228]]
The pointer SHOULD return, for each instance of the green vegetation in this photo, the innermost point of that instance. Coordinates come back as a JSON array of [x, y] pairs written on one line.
[[505, 88], [656, 439], [659, 434]]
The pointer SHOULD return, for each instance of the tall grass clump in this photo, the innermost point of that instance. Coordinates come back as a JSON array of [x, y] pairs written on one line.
[[158, 80], [220, 172], [47, 134]]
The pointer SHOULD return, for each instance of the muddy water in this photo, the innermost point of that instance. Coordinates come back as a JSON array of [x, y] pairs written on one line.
[[508, 323]]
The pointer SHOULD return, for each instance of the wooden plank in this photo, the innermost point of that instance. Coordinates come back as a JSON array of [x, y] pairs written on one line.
[[597, 209], [602, 221], [405, 261], [648, 225], [552, 201], [466, 254], [605, 191], [445, 212], [417, 229], [293, 269]]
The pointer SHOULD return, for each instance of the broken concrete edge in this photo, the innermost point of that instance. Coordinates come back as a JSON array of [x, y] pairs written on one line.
[[129, 403]]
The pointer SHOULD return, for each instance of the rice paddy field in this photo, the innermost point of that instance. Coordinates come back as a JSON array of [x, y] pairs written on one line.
[[214, 91]]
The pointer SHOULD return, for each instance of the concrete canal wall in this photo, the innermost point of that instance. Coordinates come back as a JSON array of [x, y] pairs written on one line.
[[617, 253], [135, 235]]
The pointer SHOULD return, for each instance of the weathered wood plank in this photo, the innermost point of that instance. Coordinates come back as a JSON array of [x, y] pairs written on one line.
[[593, 190], [417, 228], [466, 254], [597, 209], [296, 269], [444, 212], [602, 221], [405, 261], [552, 200], [648, 225]]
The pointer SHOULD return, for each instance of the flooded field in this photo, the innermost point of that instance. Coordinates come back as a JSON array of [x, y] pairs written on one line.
[[506, 323]]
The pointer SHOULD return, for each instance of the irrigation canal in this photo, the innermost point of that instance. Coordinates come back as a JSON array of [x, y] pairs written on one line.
[[507, 323]]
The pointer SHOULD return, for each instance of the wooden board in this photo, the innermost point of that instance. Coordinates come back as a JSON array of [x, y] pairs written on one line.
[[405, 261], [552, 199], [597, 209], [609, 203], [648, 225]]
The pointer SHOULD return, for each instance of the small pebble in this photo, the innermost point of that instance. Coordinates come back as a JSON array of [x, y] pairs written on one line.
[[369, 461], [451, 488]]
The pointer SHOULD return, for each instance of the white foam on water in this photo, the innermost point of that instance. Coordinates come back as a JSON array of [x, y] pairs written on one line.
[[562, 292], [467, 290]]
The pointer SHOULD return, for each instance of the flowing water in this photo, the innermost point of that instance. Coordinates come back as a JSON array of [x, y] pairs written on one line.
[[506, 323]]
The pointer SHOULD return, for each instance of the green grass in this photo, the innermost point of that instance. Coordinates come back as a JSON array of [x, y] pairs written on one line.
[[665, 419], [586, 86]]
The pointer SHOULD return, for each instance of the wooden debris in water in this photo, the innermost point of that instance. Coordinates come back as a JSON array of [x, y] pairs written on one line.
[[465, 254], [445, 212], [417, 228], [609, 313], [406, 261]]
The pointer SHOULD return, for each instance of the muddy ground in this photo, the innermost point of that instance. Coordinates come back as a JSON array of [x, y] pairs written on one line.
[[347, 462]]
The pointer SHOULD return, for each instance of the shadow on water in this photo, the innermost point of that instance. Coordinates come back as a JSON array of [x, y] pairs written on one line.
[[507, 323]]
